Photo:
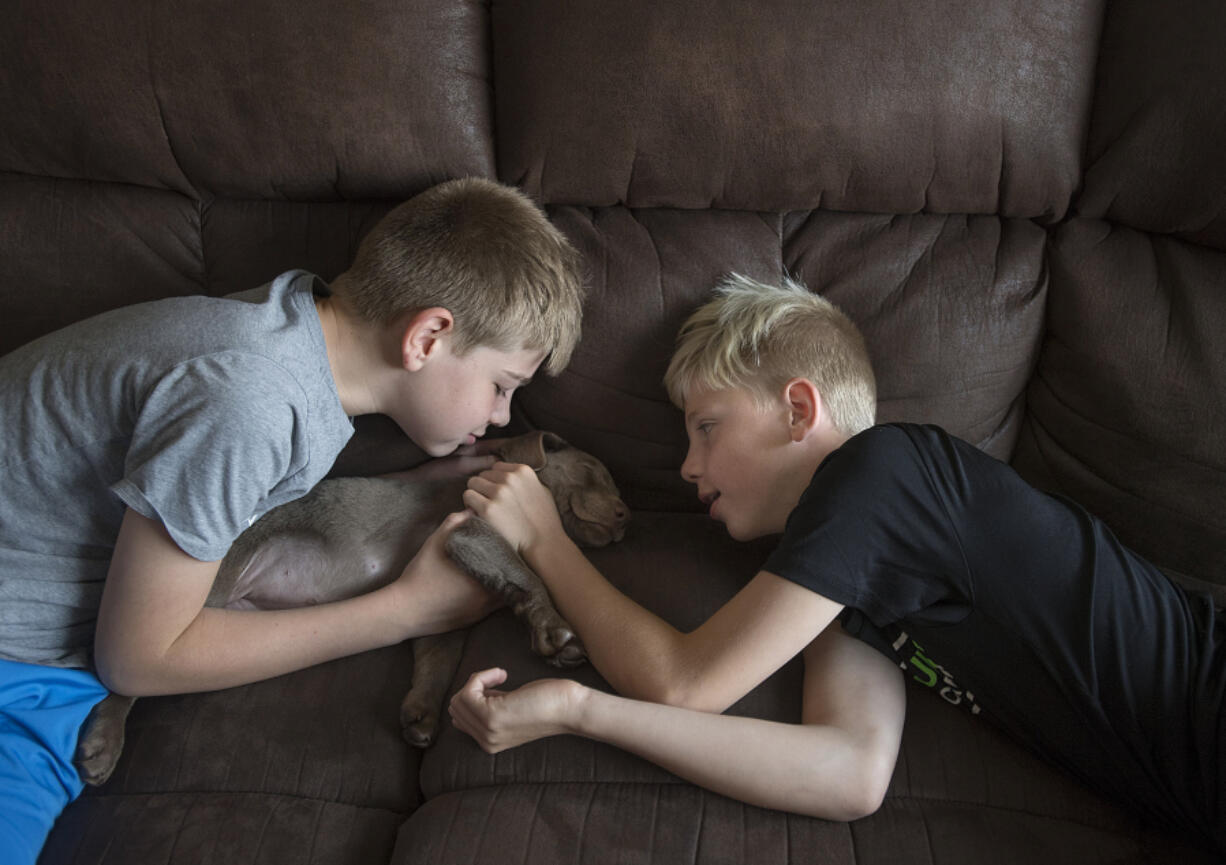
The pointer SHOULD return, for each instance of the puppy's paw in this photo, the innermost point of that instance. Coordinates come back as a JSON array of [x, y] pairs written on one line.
[[97, 754], [418, 722], [570, 655], [556, 643]]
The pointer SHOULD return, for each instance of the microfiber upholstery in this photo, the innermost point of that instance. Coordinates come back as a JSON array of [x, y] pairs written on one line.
[[1126, 410], [960, 107], [1153, 159], [1022, 205]]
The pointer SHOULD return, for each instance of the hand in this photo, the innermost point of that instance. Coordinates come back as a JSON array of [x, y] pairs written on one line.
[[511, 498], [435, 595], [498, 720]]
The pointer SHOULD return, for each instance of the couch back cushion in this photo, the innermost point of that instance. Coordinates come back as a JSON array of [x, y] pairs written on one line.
[[976, 106], [1154, 157], [151, 149], [375, 100]]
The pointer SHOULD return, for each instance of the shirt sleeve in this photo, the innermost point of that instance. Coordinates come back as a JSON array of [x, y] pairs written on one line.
[[870, 533], [212, 441]]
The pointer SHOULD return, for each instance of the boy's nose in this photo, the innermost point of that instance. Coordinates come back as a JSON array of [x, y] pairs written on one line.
[[689, 468], [501, 415]]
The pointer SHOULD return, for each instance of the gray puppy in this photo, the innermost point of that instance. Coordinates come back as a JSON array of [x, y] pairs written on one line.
[[349, 536]]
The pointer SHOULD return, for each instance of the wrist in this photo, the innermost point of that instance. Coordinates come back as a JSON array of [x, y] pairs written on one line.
[[541, 545], [396, 617], [579, 708]]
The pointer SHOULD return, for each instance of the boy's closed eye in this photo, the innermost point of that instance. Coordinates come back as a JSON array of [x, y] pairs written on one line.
[[513, 382]]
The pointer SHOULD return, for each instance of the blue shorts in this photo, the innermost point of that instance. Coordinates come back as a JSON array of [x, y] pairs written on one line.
[[41, 712]]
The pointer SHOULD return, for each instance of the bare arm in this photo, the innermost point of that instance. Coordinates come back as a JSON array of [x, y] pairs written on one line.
[[155, 636], [759, 630], [766, 624], [836, 764]]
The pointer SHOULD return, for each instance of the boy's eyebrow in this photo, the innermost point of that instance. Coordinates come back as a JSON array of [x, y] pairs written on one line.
[[524, 381]]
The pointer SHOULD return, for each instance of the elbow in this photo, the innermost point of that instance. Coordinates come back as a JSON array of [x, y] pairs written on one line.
[[860, 792], [122, 674], [117, 678], [869, 790], [857, 799], [677, 680], [683, 685], [865, 800]]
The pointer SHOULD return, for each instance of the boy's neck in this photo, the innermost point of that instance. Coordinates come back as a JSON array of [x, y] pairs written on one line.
[[825, 442], [354, 355]]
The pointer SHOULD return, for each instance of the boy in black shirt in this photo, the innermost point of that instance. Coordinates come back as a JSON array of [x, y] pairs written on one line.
[[1009, 601]]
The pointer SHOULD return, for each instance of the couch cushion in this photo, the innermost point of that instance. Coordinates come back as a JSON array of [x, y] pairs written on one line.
[[1159, 122], [1126, 414], [951, 307], [975, 107], [373, 100], [76, 107], [329, 733], [248, 242], [249, 828], [644, 824], [71, 249]]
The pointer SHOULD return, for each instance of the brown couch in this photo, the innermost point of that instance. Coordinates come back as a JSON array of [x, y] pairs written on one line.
[[1023, 204]]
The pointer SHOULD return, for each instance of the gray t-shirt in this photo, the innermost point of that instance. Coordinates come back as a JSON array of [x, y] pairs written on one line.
[[199, 412]]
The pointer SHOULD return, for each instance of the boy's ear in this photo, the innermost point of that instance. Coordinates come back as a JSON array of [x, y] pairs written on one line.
[[419, 339], [805, 407]]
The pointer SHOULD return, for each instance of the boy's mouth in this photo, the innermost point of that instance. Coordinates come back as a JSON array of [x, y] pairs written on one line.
[[709, 499]]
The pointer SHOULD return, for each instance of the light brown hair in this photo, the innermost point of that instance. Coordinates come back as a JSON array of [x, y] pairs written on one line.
[[483, 251], [758, 337]]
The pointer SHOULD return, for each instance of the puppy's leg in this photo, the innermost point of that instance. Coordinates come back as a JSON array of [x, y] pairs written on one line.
[[489, 559], [435, 660], [101, 740]]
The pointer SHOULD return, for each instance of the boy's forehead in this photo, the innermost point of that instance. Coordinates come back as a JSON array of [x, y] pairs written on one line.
[[700, 398], [518, 363]]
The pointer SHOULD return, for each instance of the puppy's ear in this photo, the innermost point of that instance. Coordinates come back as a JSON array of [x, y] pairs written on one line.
[[528, 449], [553, 442]]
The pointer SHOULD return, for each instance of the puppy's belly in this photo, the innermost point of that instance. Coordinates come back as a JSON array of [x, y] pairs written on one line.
[[290, 572]]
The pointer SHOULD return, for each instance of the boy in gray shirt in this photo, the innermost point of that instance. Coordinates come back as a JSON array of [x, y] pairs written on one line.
[[141, 442]]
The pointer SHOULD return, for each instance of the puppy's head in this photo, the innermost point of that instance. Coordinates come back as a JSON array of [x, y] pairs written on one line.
[[592, 512]]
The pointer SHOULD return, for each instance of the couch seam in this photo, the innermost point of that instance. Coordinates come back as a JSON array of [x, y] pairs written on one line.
[[940, 800], [102, 795]]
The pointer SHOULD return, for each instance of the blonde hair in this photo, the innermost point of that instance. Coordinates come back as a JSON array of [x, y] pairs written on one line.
[[758, 337], [483, 251]]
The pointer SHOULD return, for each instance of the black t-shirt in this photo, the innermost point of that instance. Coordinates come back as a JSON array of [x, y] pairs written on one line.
[[1023, 606]]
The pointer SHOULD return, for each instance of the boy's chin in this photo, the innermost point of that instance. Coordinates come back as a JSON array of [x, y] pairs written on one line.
[[745, 532], [739, 532], [444, 449]]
